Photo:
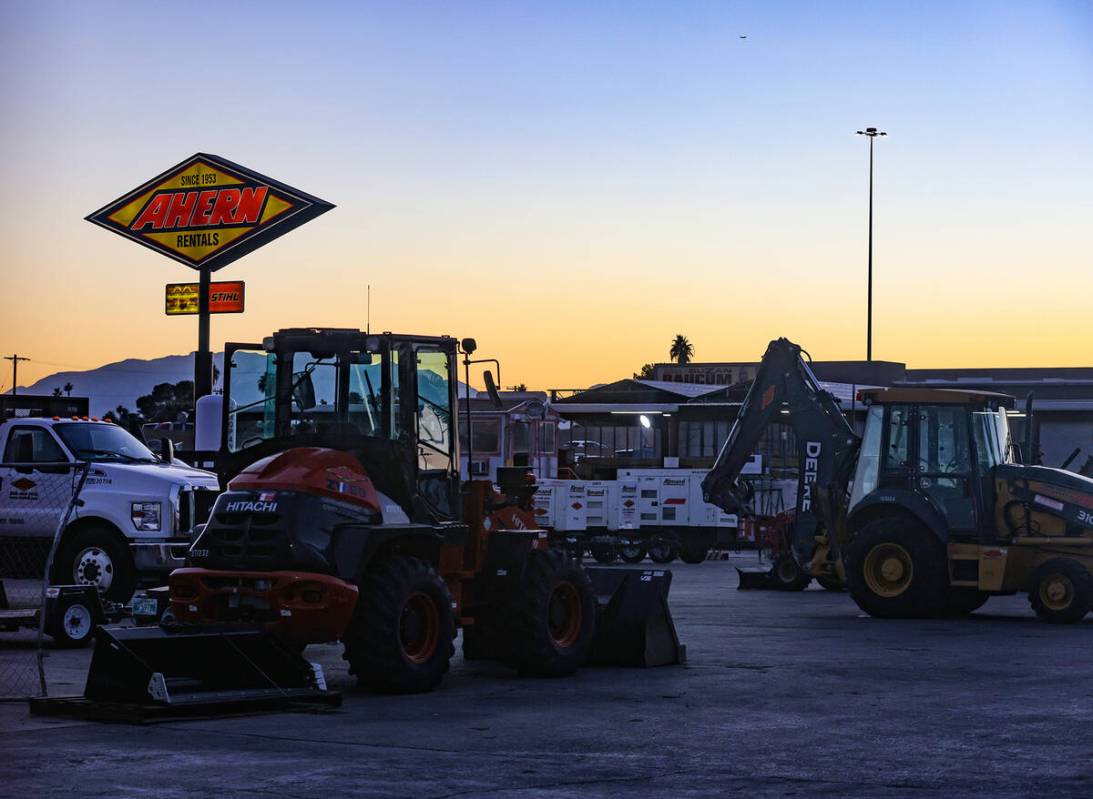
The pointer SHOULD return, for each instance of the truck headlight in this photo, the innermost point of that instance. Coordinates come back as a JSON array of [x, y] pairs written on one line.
[[147, 516]]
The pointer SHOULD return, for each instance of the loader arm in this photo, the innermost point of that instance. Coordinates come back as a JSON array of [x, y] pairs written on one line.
[[786, 390]]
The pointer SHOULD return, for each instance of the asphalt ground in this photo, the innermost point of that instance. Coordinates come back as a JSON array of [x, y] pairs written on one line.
[[783, 695]]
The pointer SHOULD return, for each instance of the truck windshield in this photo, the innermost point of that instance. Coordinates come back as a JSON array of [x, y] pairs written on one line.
[[102, 443]]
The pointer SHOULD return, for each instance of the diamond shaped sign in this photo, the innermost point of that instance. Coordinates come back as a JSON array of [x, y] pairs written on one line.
[[207, 211]]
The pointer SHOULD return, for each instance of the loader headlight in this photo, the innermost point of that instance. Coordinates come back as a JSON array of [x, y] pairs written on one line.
[[147, 516]]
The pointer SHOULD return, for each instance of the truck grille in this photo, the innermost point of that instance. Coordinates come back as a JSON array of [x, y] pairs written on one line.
[[194, 507]]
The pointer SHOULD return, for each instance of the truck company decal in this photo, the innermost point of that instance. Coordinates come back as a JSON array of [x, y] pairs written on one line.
[[206, 212]]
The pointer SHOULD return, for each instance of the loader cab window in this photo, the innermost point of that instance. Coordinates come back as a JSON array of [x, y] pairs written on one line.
[[434, 410], [314, 392], [945, 463], [897, 453], [867, 474], [993, 442], [365, 378]]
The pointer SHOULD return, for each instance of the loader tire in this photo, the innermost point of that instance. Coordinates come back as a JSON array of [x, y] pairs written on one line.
[[662, 550], [548, 629], [962, 601], [1061, 591], [400, 638], [632, 550], [896, 568], [693, 555], [787, 574], [97, 556]]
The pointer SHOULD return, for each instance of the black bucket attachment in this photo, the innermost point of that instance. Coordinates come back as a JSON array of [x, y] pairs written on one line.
[[755, 578], [634, 626], [219, 667]]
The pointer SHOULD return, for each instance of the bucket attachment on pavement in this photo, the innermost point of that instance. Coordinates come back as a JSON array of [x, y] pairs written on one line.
[[754, 578], [220, 667], [634, 626]]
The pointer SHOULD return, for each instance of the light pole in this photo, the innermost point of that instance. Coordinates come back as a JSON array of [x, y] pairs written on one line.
[[872, 133]]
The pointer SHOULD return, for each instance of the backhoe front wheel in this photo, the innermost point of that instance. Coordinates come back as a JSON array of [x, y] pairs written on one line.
[[1061, 591], [788, 575], [896, 568], [549, 627], [400, 638]]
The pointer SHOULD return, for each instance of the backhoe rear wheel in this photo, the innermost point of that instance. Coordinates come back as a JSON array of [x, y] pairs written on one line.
[[400, 638], [1061, 591], [548, 629], [896, 568]]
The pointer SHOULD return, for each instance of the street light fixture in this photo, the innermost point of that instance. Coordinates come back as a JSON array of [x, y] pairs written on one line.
[[872, 133]]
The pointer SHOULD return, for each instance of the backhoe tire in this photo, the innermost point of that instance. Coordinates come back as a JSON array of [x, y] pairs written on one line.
[[400, 638], [96, 555], [1061, 591], [832, 584], [962, 601], [632, 551], [604, 553], [662, 550], [896, 568], [693, 555], [787, 574], [547, 630]]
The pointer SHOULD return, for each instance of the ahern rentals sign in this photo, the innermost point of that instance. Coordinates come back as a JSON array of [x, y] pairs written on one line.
[[206, 212]]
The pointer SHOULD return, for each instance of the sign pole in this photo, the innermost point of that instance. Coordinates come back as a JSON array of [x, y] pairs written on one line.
[[203, 360]]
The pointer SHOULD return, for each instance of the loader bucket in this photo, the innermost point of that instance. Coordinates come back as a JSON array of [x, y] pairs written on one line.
[[754, 578], [634, 626], [221, 667]]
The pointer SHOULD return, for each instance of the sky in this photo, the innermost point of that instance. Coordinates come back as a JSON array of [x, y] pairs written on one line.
[[571, 184]]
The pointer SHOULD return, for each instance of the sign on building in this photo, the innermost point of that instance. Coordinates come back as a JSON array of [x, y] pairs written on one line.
[[181, 299]]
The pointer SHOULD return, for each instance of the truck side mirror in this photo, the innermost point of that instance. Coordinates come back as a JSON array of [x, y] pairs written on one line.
[[166, 450]]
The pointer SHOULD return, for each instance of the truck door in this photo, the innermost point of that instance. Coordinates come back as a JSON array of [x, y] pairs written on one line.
[[33, 494]]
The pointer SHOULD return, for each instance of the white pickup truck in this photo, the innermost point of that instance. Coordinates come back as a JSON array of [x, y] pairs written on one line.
[[135, 513]]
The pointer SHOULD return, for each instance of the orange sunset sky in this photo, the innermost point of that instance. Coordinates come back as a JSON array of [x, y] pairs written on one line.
[[571, 186]]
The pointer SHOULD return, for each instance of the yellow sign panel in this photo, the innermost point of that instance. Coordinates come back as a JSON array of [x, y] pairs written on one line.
[[224, 297]]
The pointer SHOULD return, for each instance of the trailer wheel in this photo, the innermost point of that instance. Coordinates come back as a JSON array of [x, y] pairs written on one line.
[[896, 568], [632, 550], [788, 575], [662, 550], [96, 556], [604, 553], [400, 637], [549, 627], [693, 554], [1061, 591]]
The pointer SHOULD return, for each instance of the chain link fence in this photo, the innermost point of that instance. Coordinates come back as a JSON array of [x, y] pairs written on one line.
[[36, 501]]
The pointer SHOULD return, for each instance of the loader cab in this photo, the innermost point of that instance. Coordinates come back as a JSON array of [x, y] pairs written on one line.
[[389, 399], [934, 452]]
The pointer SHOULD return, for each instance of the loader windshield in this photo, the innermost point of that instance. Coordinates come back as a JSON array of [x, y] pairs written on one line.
[[993, 442]]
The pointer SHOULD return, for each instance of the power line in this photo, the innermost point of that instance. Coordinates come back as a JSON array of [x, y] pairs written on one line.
[[15, 358]]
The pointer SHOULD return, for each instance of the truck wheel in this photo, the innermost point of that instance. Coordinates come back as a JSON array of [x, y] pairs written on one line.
[[96, 556], [693, 554], [400, 638], [632, 551], [604, 553], [549, 628], [662, 550], [896, 568], [1061, 591], [788, 575], [962, 601], [75, 624]]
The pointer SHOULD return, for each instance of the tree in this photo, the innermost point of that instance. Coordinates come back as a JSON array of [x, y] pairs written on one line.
[[167, 401], [519, 387], [68, 389], [123, 417], [682, 350], [56, 392], [646, 372]]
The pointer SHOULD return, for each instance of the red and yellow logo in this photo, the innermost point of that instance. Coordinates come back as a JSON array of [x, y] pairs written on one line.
[[206, 211]]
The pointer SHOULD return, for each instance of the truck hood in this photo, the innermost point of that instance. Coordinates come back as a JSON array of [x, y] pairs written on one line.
[[176, 473]]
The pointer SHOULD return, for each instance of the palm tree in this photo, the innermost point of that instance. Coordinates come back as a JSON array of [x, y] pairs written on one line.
[[682, 350], [68, 389], [56, 392]]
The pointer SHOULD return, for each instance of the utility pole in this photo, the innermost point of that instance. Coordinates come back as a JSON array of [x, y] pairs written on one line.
[[15, 370], [872, 133]]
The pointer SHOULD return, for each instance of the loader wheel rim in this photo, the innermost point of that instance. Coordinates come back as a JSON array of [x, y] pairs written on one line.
[[787, 570], [888, 570], [565, 615], [93, 566], [1057, 592], [419, 627]]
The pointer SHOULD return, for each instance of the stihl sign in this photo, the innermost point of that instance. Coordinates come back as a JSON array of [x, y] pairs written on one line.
[[206, 212], [224, 297]]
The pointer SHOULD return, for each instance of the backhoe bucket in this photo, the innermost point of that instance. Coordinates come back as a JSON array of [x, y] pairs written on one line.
[[755, 578], [634, 626], [222, 668]]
